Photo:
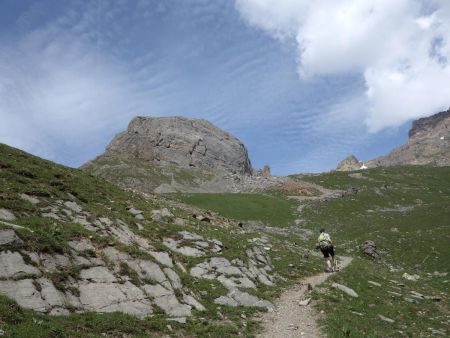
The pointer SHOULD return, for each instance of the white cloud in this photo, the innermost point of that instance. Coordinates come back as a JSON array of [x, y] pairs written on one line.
[[401, 48]]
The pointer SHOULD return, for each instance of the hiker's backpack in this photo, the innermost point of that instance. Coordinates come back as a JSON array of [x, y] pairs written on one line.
[[323, 242]]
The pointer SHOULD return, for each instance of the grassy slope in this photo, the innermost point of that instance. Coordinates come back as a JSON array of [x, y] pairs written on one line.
[[415, 240], [273, 210], [406, 211], [23, 173]]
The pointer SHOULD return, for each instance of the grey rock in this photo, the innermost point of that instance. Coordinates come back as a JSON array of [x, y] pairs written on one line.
[[73, 206], [345, 289], [51, 215], [114, 255], [304, 302], [227, 282], [156, 291], [157, 218], [81, 245], [171, 306], [219, 262], [244, 282], [374, 283], [9, 236], [51, 263], [184, 250], [112, 297], [140, 217], [59, 311], [98, 274], [264, 280], [164, 212], [28, 198], [149, 270], [134, 211], [7, 215], [225, 300], [106, 221], [413, 278], [230, 270], [179, 222], [162, 257], [190, 236], [24, 293], [12, 265], [181, 267], [198, 271], [188, 299], [50, 294], [174, 278], [386, 319], [246, 299], [369, 248]]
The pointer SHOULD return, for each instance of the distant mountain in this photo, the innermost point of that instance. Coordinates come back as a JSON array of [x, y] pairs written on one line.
[[170, 154], [428, 144], [349, 163]]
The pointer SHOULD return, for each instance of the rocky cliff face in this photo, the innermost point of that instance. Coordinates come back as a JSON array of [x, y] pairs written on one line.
[[181, 141], [169, 154], [428, 144]]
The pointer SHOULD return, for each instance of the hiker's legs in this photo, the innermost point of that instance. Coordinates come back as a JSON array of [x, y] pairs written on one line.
[[334, 262], [329, 264]]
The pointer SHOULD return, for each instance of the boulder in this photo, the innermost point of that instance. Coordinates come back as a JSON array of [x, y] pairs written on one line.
[[12, 265], [345, 289], [8, 237], [7, 215], [369, 248]]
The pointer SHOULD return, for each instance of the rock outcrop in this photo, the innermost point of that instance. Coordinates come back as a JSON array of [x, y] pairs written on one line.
[[186, 143], [428, 144], [171, 154], [349, 164]]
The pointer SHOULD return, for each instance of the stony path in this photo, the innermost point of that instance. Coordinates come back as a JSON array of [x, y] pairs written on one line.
[[290, 318]]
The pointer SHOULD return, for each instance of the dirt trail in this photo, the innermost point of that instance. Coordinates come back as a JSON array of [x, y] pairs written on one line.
[[290, 319]]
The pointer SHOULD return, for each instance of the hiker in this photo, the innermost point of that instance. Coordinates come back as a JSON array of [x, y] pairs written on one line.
[[326, 246]]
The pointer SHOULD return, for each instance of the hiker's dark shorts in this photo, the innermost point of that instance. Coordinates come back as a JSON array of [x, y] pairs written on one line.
[[328, 251]]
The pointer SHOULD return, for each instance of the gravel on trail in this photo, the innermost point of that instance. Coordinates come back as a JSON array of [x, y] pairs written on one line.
[[291, 318]]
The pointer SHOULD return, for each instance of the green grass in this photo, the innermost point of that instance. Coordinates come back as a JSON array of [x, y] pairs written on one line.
[[414, 240], [273, 210], [358, 317], [22, 173]]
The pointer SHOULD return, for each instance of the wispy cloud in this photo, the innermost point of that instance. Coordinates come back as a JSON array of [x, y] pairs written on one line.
[[402, 49]]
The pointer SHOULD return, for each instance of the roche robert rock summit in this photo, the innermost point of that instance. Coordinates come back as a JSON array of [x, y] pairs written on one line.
[[169, 154], [180, 141]]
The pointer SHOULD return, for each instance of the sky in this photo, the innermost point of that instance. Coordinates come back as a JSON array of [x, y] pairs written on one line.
[[301, 83]]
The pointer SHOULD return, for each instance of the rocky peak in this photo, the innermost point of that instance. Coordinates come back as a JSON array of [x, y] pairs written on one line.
[[428, 144], [348, 164], [181, 141], [429, 124]]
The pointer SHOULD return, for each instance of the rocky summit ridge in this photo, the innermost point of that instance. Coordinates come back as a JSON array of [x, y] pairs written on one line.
[[171, 154], [186, 143], [428, 144]]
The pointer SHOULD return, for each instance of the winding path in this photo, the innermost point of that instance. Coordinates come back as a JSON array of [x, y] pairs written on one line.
[[291, 319]]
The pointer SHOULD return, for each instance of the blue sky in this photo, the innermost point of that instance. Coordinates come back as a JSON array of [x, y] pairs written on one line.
[[303, 84]]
